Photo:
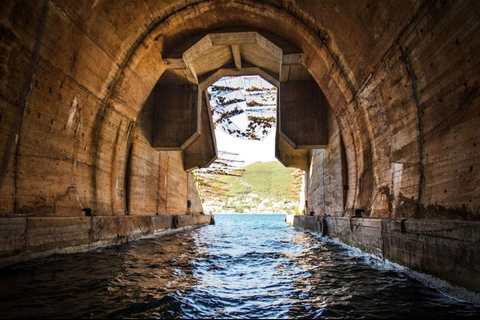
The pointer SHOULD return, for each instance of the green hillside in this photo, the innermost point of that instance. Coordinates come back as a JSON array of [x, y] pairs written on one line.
[[262, 188], [266, 179]]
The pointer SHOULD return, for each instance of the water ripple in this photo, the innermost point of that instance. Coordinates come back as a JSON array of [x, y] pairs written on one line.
[[249, 266]]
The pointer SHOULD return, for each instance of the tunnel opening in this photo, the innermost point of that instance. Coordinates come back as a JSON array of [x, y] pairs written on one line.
[[241, 180], [187, 103]]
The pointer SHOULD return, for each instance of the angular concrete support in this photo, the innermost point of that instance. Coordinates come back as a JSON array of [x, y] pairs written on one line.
[[177, 117], [203, 151], [237, 57], [303, 115], [210, 79], [290, 157], [194, 203], [218, 50]]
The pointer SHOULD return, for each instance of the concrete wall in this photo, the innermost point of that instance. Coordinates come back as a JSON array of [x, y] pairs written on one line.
[[325, 179], [65, 145], [446, 249], [158, 183], [401, 78], [34, 237], [150, 187], [408, 125], [403, 88]]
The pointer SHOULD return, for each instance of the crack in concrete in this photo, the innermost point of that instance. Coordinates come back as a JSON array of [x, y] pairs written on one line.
[[420, 126], [115, 171]]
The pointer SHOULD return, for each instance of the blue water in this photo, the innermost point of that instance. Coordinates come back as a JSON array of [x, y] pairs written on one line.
[[245, 266]]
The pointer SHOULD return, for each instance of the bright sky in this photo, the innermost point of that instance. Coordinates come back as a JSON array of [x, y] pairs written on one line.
[[250, 150]]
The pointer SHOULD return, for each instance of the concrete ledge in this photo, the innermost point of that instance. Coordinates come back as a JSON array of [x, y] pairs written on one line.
[[193, 220], [121, 228], [26, 238], [449, 250], [12, 236], [43, 234]]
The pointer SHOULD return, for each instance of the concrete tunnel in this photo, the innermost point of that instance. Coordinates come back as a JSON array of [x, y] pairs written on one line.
[[103, 115]]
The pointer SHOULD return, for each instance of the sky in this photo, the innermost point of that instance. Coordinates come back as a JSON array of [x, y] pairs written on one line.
[[249, 151]]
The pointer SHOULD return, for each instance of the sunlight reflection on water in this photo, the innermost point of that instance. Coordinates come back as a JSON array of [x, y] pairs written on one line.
[[246, 266]]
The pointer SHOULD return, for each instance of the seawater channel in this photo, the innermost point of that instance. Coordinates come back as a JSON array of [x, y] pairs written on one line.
[[245, 266]]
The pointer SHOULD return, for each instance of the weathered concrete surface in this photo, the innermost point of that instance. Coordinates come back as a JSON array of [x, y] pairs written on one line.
[[27, 238], [290, 157], [194, 203], [326, 179], [303, 115], [157, 181], [401, 78], [176, 117], [447, 249], [75, 76]]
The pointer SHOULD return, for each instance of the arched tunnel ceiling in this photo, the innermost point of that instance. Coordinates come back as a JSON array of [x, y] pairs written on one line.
[[393, 72], [237, 53]]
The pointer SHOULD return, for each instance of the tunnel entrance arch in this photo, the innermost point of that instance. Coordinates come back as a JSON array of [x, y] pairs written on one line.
[[182, 119], [242, 53], [147, 59]]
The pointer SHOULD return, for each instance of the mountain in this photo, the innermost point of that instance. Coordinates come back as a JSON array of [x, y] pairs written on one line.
[[262, 188]]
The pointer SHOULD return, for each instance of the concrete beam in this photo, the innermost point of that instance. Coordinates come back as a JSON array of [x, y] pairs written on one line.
[[237, 56], [270, 47], [174, 63], [194, 52], [233, 38], [292, 58], [251, 47], [212, 78], [287, 61], [198, 49], [191, 69], [290, 157], [260, 50], [176, 117], [203, 151], [284, 73]]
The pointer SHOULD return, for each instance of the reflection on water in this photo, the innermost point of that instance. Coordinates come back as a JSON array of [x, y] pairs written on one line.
[[246, 266]]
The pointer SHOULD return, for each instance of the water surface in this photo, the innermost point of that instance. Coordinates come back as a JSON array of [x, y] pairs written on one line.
[[246, 266]]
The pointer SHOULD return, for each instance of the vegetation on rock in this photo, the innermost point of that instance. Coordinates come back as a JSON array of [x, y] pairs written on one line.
[[264, 187]]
